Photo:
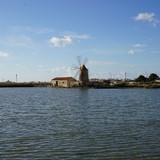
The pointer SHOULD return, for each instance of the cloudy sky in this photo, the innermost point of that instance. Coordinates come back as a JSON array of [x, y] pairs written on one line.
[[41, 39]]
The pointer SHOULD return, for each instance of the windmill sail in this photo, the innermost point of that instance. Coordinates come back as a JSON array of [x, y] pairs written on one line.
[[82, 71]]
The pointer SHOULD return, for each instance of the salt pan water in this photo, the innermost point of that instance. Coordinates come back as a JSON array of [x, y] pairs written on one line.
[[50, 123]]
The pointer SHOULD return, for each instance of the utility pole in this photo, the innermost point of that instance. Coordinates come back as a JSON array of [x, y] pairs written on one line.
[[125, 76], [16, 77]]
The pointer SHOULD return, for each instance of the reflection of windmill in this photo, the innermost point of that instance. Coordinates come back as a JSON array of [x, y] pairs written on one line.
[[81, 70]]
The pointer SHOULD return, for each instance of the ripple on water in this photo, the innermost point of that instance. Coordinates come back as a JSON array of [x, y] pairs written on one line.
[[48, 123]]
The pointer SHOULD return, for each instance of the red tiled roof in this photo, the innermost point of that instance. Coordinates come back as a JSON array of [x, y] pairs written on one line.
[[63, 78]]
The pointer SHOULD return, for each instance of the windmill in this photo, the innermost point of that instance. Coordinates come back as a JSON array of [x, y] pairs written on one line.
[[81, 70]]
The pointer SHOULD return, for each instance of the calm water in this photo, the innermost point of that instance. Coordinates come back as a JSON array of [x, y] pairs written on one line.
[[48, 123]]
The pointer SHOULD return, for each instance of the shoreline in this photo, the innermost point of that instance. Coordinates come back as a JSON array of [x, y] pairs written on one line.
[[24, 84], [48, 84]]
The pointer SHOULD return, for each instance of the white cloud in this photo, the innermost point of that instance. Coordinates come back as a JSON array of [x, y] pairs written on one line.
[[139, 45], [80, 36], [66, 40], [134, 51], [3, 54], [147, 17], [138, 48], [62, 42], [131, 52]]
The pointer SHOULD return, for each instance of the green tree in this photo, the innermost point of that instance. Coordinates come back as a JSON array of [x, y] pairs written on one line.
[[141, 78], [153, 77]]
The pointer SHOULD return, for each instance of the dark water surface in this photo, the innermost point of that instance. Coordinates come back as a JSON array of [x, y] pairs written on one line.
[[49, 123]]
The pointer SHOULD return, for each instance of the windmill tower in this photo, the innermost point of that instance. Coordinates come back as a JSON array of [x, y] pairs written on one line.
[[81, 70]]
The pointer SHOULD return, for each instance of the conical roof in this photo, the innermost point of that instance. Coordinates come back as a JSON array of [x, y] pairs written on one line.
[[83, 67]]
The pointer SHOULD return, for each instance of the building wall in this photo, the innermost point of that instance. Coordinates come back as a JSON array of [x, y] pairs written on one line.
[[158, 80], [60, 83], [74, 83], [65, 82]]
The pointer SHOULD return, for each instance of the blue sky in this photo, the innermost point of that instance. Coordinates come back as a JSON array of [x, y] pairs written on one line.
[[40, 39]]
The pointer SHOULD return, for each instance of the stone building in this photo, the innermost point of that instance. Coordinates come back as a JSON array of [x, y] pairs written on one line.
[[64, 82]]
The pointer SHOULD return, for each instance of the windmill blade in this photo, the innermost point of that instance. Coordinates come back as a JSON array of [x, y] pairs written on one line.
[[74, 67], [85, 61], [79, 61], [76, 75]]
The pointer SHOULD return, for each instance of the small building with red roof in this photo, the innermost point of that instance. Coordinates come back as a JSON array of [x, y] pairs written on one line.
[[64, 82]]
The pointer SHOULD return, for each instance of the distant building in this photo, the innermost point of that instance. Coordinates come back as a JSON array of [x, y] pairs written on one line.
[[157, 80], [64, 82]]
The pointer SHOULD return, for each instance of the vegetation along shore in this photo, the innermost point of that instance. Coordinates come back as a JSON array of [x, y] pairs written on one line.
[[153, 81]]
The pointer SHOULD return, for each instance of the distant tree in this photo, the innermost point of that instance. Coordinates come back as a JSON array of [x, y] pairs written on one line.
[[153, 77], [141, 78]]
